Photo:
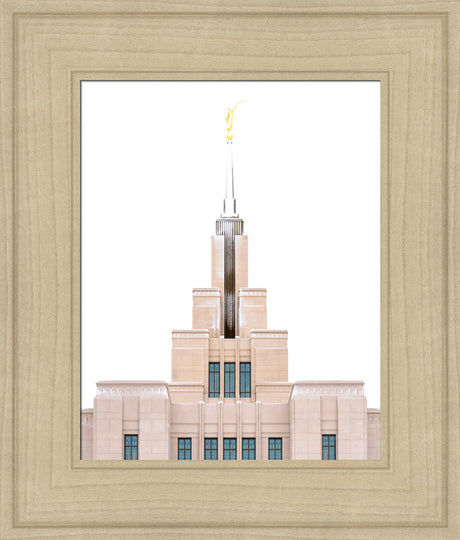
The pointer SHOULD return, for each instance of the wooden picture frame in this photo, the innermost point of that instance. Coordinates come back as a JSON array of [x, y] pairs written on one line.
[[47, 49]]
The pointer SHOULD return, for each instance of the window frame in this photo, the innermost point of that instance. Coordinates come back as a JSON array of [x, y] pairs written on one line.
[[229, 379], [212, 440], [246, 376], [328, 447], [130, 446], [215, 376], [248, 450], [232, 450], [275, 449], [185, 450]]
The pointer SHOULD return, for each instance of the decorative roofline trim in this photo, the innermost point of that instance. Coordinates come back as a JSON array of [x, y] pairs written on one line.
[[250, 291], [114, 388], [336, 388], [194, 333], [207, 291], [262, 333]]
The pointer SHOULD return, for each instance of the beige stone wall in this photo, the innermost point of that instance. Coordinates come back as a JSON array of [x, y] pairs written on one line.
[[235, 420], [269, 356], [274, 422], [273, 393], [352, 427], [131, 408], [306, 427], [329, 408], [186, 421], [299, 413], [186, 392], [329, 415], [206, 310], [217, 263], [252, 310], [108, 427], [190, 350], [241, 274], [154, 426]]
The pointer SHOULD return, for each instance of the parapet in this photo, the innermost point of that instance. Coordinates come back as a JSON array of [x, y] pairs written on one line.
[[335, 388], [132, 388]]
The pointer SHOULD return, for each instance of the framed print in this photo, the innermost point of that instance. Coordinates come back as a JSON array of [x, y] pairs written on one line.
[[47, 50], [295, 359]]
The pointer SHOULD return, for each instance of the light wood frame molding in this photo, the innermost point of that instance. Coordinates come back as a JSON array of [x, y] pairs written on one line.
[[47, 48]]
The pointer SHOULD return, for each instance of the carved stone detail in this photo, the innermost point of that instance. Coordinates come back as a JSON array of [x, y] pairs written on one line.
[[206, 292], [269, 333], [253, 292], [347, 389], [114, 389], [190, 334]]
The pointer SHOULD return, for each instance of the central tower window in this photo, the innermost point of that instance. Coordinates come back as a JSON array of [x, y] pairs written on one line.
[[245, 379], [214, 379], [229, 379]]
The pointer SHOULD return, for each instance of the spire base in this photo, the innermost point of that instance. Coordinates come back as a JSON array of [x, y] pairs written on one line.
[[229, 210]]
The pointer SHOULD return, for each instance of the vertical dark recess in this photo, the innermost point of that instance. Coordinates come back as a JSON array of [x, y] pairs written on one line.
[[229, 228]]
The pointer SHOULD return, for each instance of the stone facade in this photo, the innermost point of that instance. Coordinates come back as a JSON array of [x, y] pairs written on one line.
[[268, 411]]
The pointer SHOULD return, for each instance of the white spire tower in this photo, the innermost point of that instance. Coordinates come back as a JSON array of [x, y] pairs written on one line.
[[229, 201], [229, 209], [229, 226]]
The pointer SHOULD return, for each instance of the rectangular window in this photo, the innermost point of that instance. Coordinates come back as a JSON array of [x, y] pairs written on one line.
[[210, 448], [214, 379], [131, 447], [229, 379], [329, 447], [249, 448], [275, 448], [184, 448], [245, 379], [229, 448]]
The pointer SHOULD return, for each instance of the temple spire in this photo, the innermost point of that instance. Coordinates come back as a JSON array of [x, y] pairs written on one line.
[[229, 207], [230, 226]]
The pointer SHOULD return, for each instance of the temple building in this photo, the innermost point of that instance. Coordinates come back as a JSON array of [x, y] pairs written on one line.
[[229, 396]]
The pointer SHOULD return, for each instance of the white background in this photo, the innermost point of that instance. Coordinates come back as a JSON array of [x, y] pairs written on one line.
[[307, 177]]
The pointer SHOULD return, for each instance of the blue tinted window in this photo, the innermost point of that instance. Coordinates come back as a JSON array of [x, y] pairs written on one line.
[[214, 379], [229, 448], [275, 449], [329, 447], [245, 379], [210, 448], [184, 446], [249, 448], [131, 447], [229, 379]]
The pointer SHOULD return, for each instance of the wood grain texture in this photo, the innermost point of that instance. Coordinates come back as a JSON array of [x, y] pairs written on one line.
[[47, 48]]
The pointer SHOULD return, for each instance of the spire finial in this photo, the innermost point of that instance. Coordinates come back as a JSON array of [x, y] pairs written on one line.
[[229, 201], [229, 121]]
